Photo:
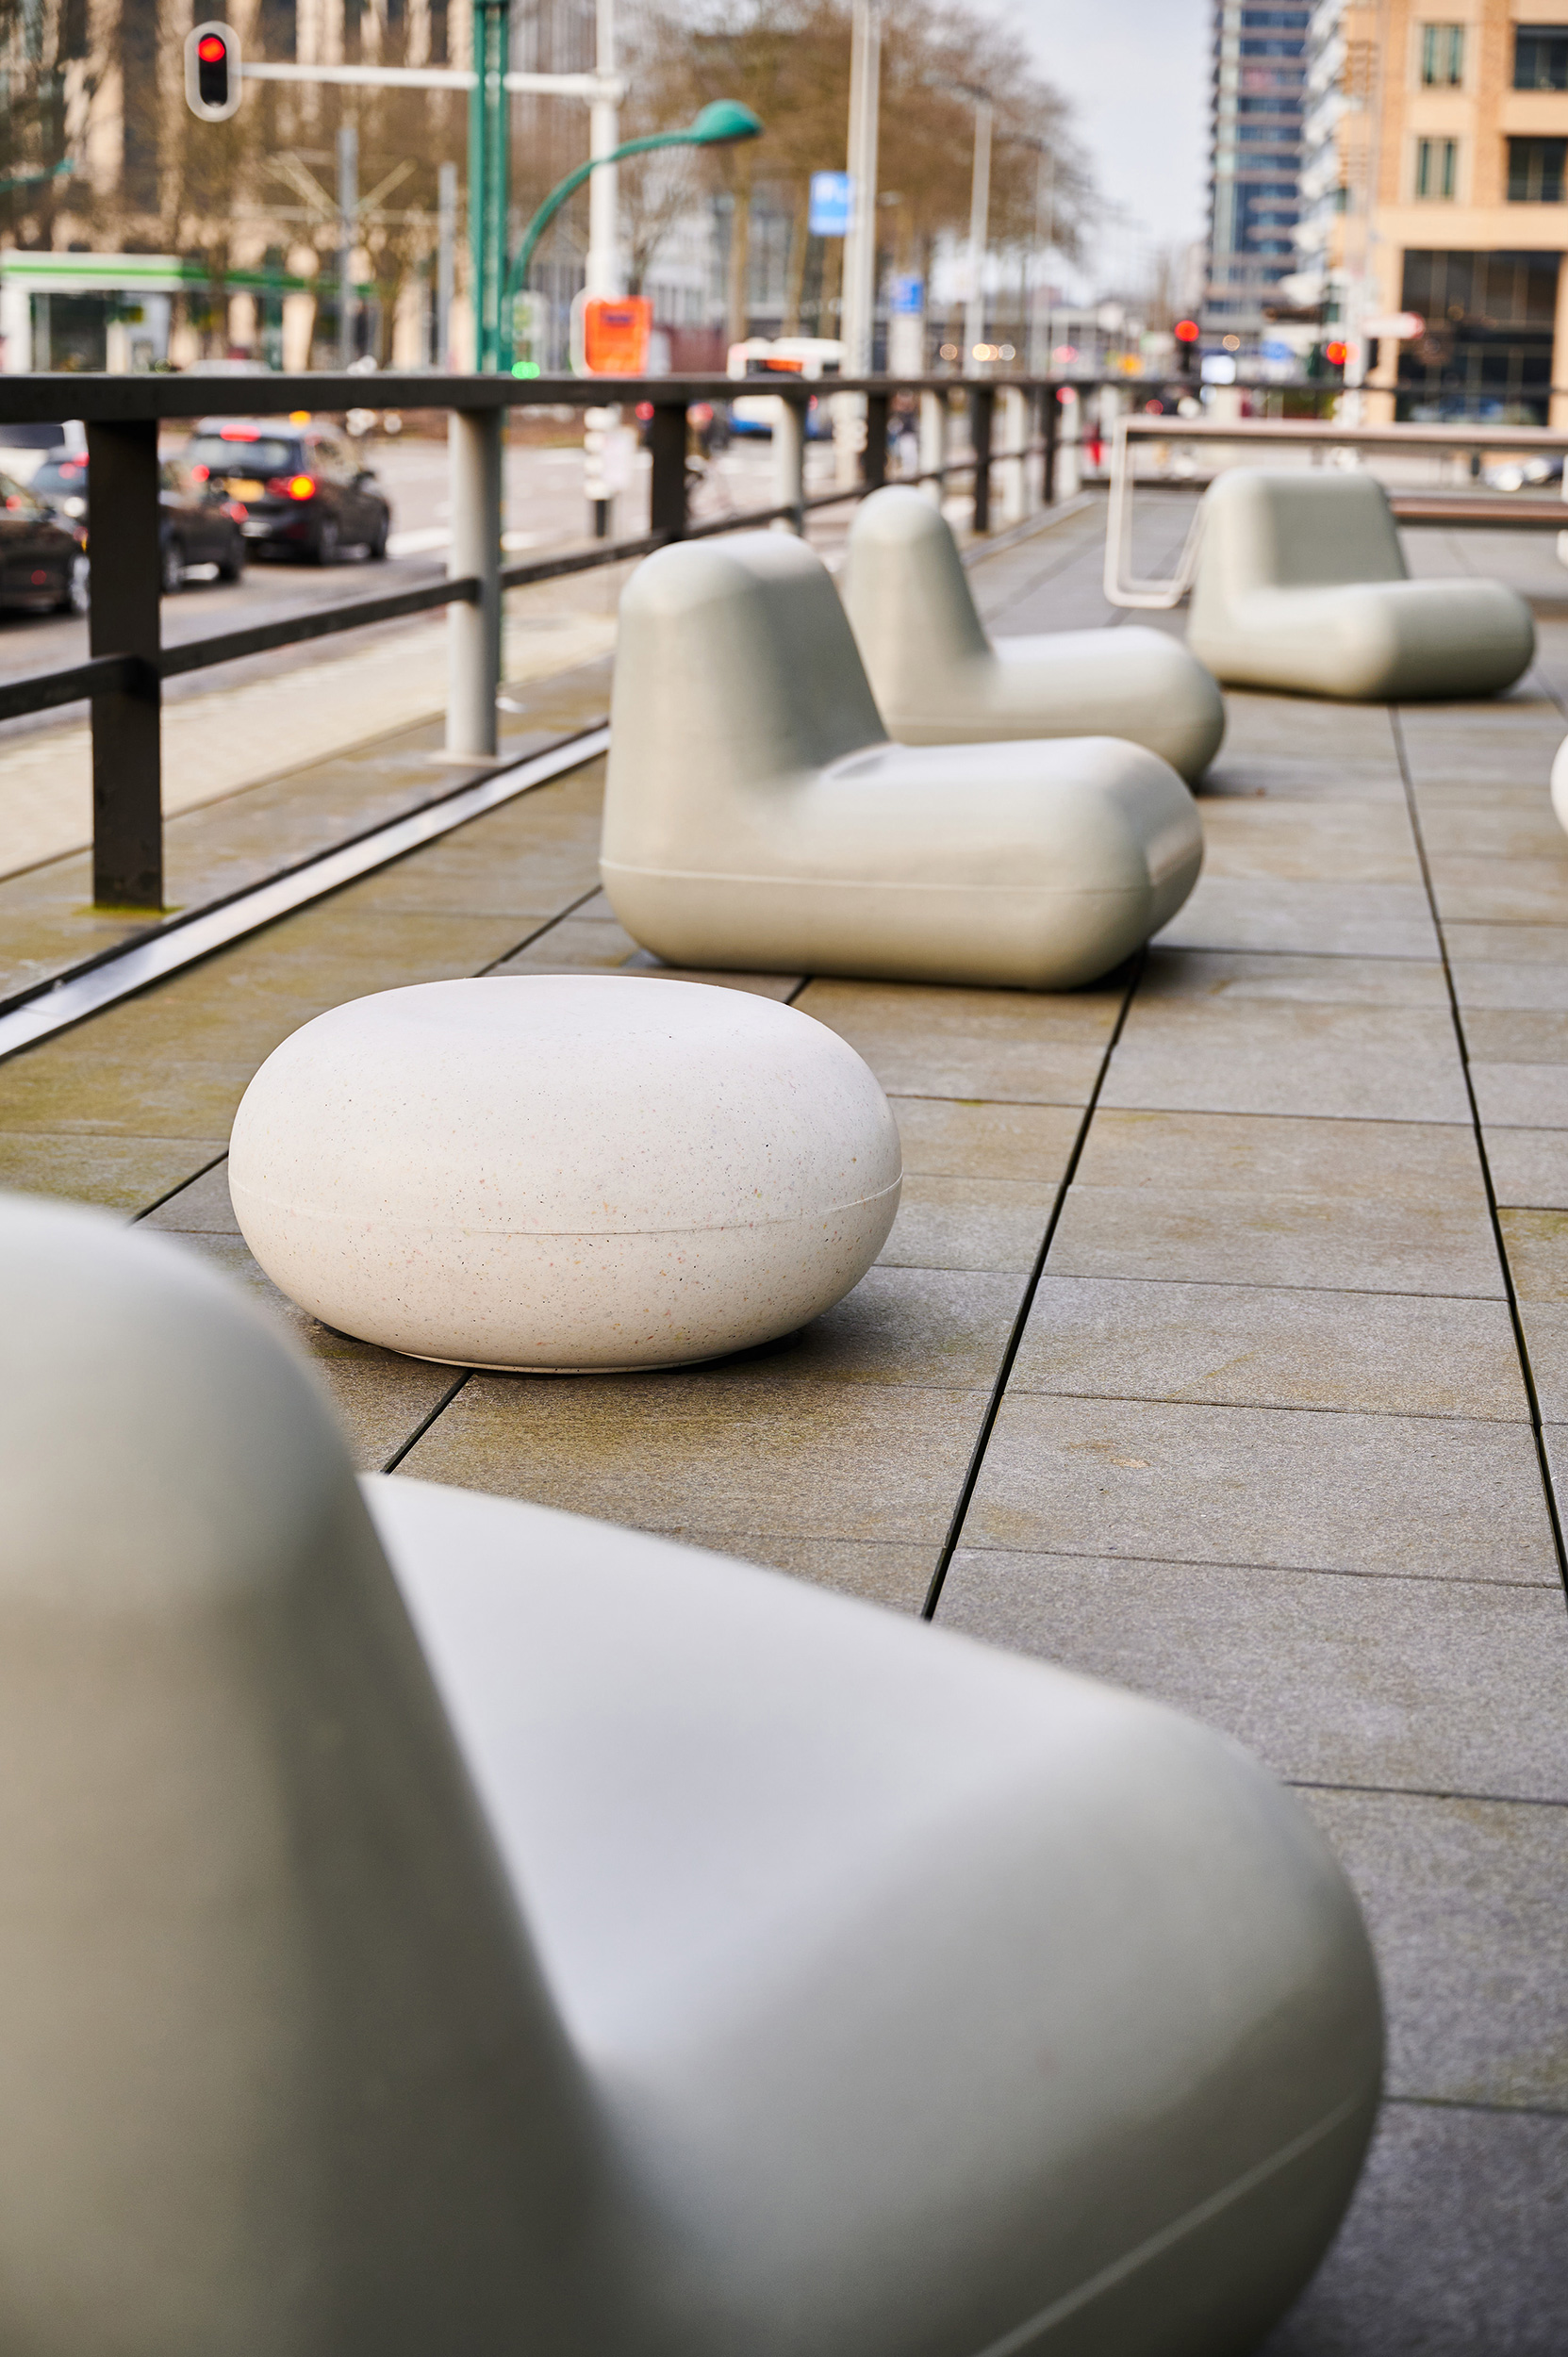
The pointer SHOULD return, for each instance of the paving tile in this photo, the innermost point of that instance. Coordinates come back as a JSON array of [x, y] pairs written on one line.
[[946, 1139], [1433, 1496], [1529, 1167], [878, 1572], [714, 1452], [1472, 890], [67, 1088], [119, 1174], [579, 944], [1497, 983], [969, 1223], [1258, 1345], [1425, 1685], [1463, 1899], [901, 1325], [202, 1208], [1012, 1047], [1311, 841], [1333, 1062], [1368, 920], [1454, 827], [1452, 2247], [380, 1399], [1208, 1236], [1227, 974], [1516, 1035], [1520, 1095], [1507, 945], [1379, 1161]]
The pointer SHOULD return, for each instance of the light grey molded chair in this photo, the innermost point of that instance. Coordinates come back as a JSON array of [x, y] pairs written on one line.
[[938, 678], [757, 817], [1301, 584], [432, 1923]]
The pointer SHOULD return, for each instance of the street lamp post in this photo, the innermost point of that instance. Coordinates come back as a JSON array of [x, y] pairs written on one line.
[[719, 125], [490, 166], [979, 216]]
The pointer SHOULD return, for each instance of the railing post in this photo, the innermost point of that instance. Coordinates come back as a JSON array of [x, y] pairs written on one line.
[[1051, 416], [666, 495], [934, 444], [1015, 440], [874, 459], [127, 786], [983, 403], [789, 463], [473, 630], [1069, 437]]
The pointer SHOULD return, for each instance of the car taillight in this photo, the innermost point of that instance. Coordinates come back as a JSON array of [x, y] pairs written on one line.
[[293, 486], [645, 410], [200, 475], [235, 513]]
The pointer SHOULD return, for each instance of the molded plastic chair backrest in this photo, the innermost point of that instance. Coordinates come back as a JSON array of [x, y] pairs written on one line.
[[906, 592], [276, 2067], [1308, 530], [735, 657]]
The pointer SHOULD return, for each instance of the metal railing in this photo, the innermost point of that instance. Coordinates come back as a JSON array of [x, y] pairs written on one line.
[[1508, 510], [127, 664]]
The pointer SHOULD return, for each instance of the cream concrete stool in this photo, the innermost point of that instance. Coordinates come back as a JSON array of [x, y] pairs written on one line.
[[757, 816], [939, 680], [572, 1171], [460, 1926], [1301, 584]]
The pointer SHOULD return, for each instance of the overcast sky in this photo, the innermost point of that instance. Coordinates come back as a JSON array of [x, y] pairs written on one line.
[[1137, 71]]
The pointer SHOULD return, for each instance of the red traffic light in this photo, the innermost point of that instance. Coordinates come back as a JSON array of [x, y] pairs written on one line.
[[1336, 354], [1187, 331], [213, 73], [213, 49]]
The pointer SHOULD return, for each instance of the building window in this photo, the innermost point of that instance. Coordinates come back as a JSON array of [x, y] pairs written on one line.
[[1541, 57], [1437, 165], [1535, 171], [1442, 56]]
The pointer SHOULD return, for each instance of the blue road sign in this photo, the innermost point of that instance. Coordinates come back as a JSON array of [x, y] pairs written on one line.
[[909, 296], [832, 201]]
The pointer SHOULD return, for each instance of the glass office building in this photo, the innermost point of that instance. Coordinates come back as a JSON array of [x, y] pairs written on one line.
[[1255, 162]]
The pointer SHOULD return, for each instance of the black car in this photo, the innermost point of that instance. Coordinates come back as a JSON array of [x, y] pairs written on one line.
[[38, 557], [197, 525], [302, 487]]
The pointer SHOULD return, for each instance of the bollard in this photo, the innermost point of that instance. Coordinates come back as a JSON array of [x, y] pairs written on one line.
[[1067, 476], [1050, 423], [128, 785], [474, 629], [934, 444], [1015, 438], [874, 459], [789, 463]]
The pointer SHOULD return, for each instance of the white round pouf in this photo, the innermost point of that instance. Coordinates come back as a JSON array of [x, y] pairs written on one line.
[[560, 1173]]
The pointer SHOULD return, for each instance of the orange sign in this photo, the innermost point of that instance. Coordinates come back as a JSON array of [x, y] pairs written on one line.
[[617, 330]]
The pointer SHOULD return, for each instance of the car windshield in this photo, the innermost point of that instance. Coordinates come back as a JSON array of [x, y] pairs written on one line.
[[32, 437], [222, 455], [15, 501], [61, 474]]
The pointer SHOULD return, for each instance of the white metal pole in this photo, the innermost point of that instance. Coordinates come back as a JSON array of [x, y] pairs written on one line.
[[1044, 226], [473, 632], [979, 217], [348, 237], [446, 255], [603, 259], [860, 246]]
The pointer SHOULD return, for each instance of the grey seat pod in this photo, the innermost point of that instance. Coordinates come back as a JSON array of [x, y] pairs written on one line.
[[757, 817], [461, 1925], [939, 679], [1301, 584]]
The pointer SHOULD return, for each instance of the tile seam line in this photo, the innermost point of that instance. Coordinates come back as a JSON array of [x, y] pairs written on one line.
[[1477, 1580], [1015, 1340], [1262, 1285], [1426, 1793], [1473, 2103], [1515, 1314], [1025, 1389], [439, 1409]]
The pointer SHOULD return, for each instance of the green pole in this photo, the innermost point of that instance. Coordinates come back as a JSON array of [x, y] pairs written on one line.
[[719, 125], [488, 175]]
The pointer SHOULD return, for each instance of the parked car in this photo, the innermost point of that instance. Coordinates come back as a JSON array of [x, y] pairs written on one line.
[[40, 558], [302, 487], [197, 525], [24, 447]]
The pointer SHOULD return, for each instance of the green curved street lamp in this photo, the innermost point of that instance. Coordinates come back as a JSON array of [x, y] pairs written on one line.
[[722, 124]]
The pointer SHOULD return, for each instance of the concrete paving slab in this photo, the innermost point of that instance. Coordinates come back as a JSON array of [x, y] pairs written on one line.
[[1464, 1901], [945, 1138], [1452, 827], [1507, 945], [1207, 1236], [1366, 920], [1244, 974], [119, 1174], [1496, 891], [1516, 1035], [715, 1451], [1332, 1063], [1377, 1162], [1257, 1346], [1274, 839], [1520, 1095], [969, 1223], [1529, 1167], [878, 1572], [1012, 1047], [201, 1208], [1453, 2246], [1421, 1685], [1434, 1497], [1492, 983]]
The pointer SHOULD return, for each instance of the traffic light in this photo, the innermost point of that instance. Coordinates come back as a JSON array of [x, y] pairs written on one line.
[[1186, 333], [213, 73]]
